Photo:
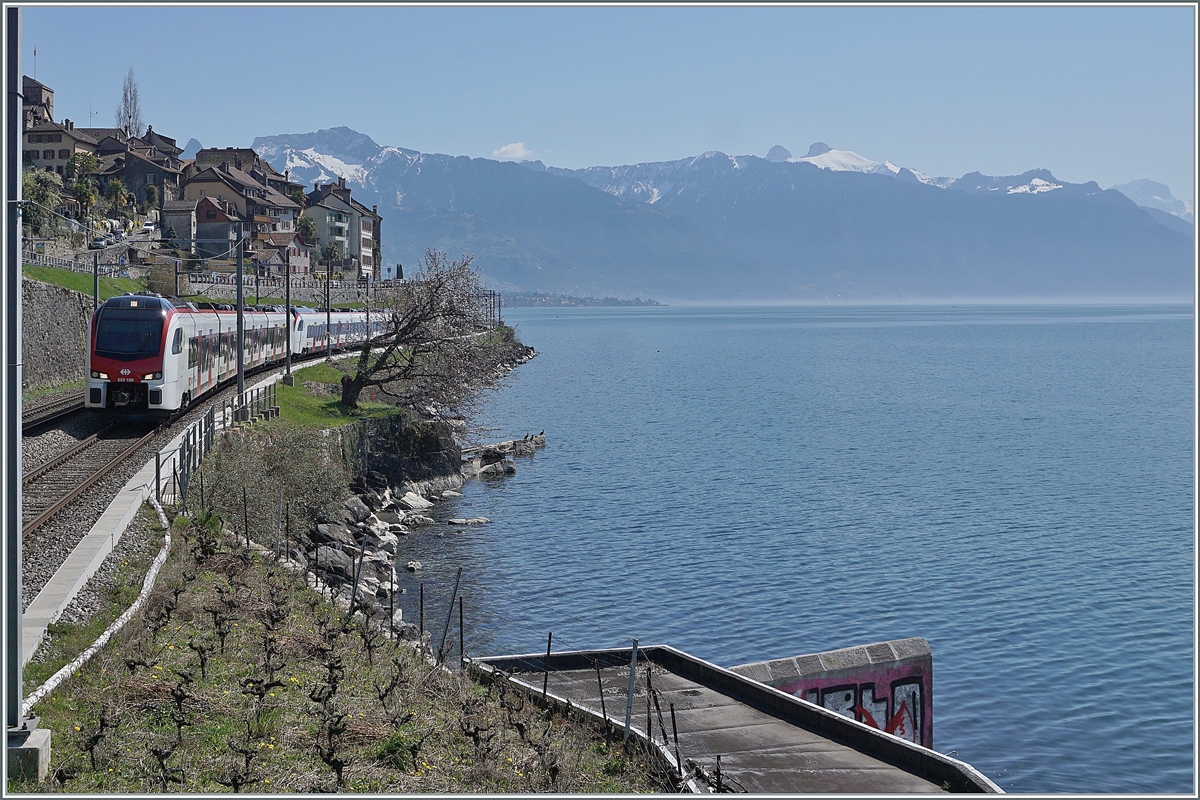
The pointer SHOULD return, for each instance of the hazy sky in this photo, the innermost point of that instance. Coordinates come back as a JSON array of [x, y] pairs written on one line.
[[1100, 93]]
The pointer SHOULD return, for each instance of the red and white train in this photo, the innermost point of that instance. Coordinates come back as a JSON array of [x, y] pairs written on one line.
[[153, 354]]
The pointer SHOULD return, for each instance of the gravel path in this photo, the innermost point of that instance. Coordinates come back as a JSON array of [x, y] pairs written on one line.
[[136, 541]]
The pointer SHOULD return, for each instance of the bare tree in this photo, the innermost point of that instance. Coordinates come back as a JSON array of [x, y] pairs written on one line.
[[437, 351], [129, 112]]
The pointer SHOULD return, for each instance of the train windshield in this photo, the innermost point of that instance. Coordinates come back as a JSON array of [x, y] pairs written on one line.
[[129, 334]]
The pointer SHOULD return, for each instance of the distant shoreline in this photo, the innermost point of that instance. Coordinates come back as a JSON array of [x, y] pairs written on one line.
[[539, 299]]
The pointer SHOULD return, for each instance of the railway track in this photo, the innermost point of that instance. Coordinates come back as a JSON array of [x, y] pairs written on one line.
[[44, 415], [52, 486]]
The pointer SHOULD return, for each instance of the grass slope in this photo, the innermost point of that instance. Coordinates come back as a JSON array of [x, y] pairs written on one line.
[[235, 675], [81, 282]]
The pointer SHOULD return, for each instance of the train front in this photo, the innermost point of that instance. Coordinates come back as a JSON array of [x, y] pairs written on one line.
[[125, 369]]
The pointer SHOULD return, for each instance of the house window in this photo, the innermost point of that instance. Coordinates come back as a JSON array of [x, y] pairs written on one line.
[[33, 138], [32, 155], [64, 154], [48, 155], [59, 169], [202, 193], [57, 137]]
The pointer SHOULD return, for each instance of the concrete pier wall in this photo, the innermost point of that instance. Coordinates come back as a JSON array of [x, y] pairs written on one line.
[[887, 685]]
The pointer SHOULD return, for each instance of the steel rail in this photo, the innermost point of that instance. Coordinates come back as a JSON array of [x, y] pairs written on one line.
[[87, 483], [74, 450], [37, 418]]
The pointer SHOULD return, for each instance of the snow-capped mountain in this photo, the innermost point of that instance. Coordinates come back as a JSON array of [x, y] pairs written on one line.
[[1148, 194], [714, 226], [333, 153], [825, 157]]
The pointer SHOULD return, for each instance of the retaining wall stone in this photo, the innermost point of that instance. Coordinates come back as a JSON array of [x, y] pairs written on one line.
[[54, 330]]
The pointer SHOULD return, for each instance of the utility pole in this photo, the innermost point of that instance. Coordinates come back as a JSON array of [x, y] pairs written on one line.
[[328, 310], [288, 380], [241, 322], [12, 373], [96, 281]]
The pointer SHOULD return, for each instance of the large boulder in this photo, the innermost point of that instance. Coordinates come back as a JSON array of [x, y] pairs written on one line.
[[335, 564], [390, 517], [357, 507], [414, 502], [332, 532]]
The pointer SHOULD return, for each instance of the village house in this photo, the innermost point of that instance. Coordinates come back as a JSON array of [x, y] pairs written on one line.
[[342, 220], [178, 223], [263, 209], [218, 226], [294, 251], [37, 103], [49, 145]]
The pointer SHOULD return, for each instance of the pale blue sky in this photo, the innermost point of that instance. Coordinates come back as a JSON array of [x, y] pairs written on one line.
[[1091, 93]]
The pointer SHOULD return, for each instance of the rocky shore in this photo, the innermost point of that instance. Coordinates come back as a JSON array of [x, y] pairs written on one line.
[[353, 554]]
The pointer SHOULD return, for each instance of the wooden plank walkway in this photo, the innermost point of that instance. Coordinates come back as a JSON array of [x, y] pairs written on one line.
[[769, 742]]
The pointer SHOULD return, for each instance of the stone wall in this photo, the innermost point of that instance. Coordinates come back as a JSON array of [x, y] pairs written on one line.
[[405, 451], [54, 334]]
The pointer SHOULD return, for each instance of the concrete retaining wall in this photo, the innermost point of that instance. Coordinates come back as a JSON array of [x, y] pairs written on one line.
[[53, 334], [887, 685]]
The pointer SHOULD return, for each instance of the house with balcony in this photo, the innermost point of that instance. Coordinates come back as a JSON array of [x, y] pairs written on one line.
[[262, 209], [248, 161], [342, 220]]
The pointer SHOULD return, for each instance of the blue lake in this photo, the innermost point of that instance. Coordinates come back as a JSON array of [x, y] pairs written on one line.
[[1013, 483]]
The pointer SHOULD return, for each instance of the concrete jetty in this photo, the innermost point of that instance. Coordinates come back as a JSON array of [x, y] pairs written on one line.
[[769, 741]]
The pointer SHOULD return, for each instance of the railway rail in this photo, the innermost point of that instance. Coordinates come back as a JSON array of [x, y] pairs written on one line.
[[43, 415], [52, 486]]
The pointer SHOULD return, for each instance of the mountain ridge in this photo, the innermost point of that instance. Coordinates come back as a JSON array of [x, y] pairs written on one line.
[[716, 226]]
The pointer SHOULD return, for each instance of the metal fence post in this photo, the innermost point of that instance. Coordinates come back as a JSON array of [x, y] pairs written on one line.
[[629, 700]]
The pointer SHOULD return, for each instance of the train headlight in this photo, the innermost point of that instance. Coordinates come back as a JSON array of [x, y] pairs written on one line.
[[152, 376], [101, 375]]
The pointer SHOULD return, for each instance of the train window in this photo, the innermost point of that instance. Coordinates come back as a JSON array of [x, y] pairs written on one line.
[[177, 342], [191, 352]]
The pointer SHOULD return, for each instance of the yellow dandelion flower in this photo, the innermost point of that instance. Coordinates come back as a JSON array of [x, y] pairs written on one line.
[[272, 694], [270, 747], [110, 769], [78, 728], [266, 780]]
